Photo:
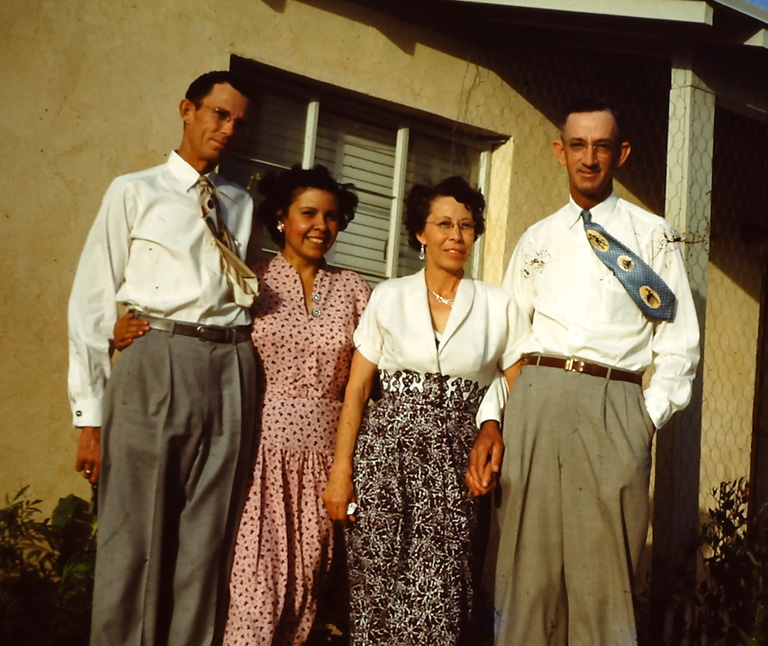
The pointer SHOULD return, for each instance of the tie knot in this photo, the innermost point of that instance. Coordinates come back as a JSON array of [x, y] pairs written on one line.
[[586, 216], [207, 193], [204, 184]]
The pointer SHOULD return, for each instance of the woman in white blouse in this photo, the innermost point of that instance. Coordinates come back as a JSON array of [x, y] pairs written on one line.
[[401, 469]]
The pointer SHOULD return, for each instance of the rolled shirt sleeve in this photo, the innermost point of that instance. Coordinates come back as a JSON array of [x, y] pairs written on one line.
[[368, 336], [675, 343]]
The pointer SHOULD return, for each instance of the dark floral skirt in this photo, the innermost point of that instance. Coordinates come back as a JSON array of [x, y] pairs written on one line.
[[410, 551]]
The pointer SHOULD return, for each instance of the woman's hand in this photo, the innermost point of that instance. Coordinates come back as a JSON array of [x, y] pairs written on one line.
[[127, 329], [485, 459], [340, 491], [338, 494]]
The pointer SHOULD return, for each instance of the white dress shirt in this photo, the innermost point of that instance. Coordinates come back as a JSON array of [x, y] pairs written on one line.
[[149, 248], [396, 333], [573, 305]]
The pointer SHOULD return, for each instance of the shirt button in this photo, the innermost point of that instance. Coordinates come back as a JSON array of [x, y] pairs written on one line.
[[316, 312]]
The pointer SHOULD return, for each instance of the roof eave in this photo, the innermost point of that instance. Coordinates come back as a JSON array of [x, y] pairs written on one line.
[[687, 11]]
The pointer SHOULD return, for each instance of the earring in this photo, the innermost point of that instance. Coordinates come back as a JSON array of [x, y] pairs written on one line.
[[280, 227], [421, 253]]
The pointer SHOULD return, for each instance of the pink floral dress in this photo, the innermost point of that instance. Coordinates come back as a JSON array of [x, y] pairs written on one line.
[[284, 542]]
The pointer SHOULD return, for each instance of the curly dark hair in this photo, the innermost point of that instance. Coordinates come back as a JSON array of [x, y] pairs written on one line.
[[418, 204], [280, 189]]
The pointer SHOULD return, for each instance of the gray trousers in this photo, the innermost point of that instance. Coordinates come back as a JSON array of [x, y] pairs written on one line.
[[176, 447], [573, 515]]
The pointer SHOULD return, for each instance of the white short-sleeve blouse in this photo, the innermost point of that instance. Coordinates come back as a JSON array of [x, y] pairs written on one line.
[[396, 333]]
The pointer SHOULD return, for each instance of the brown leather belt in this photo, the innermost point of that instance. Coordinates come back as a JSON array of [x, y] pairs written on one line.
[[212, 333], [583, 367]]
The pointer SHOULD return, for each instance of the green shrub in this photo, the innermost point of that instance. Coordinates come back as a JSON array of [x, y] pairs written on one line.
[[732, 598], [46, 571]]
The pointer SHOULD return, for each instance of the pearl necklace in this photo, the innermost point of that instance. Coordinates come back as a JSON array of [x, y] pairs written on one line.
[[445, 301]]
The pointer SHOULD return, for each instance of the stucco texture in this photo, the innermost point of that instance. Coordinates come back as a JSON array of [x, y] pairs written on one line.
[[91, 89]]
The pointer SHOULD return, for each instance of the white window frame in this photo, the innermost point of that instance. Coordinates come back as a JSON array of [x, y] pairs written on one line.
[[302, 90]]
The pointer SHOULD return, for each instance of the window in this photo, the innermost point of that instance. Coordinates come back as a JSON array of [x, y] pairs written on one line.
[[381, 149]]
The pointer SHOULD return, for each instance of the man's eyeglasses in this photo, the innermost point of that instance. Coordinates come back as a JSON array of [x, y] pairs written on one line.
[[599, 148], [225, 116]]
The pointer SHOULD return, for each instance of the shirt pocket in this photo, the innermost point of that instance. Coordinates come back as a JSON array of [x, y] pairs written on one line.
[[616, 306]]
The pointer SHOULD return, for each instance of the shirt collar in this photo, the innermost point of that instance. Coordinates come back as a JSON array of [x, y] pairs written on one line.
[[184, 172], [282, 262], [599, 211]]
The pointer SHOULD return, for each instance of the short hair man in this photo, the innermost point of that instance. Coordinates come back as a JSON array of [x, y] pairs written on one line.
[[579, 426], [166, 432]]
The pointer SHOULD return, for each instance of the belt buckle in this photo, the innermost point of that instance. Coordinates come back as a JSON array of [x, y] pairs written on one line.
[[207, 334], [569, 365]]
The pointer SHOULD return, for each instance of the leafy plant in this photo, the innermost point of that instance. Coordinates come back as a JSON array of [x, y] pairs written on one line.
[[46, 571], [327, 634], [331, 625], [46, 575], [732, 598]]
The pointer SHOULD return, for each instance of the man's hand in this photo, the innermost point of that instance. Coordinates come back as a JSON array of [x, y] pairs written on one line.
[[89, 453], [127, 328], [485, 459]]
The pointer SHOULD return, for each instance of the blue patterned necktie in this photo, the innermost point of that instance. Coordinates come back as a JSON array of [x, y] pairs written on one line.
[[644, 286]]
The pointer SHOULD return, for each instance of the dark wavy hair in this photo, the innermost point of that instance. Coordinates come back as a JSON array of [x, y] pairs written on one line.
[[280, 189], [418, 204], [201, 87]]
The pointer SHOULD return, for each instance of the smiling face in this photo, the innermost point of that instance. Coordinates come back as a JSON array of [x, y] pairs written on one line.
[[448, 235], [590, 149], [213, 127], [310, 226]]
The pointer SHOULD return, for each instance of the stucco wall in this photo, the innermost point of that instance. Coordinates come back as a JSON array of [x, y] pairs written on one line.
[[90, 92], [91, 89], [727, 408]]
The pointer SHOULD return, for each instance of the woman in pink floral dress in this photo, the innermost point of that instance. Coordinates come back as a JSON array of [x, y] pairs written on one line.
[[303, 321]]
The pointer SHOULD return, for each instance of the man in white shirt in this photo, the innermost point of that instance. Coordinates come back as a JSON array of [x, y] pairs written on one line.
[[166, 432], [579, 426]]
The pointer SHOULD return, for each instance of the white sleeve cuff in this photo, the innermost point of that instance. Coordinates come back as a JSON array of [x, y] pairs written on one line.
[[494, 401], [86, 412]]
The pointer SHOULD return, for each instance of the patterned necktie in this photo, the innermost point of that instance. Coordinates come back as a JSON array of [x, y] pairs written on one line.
[[644, 286], [210, 207], [244, 284]]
